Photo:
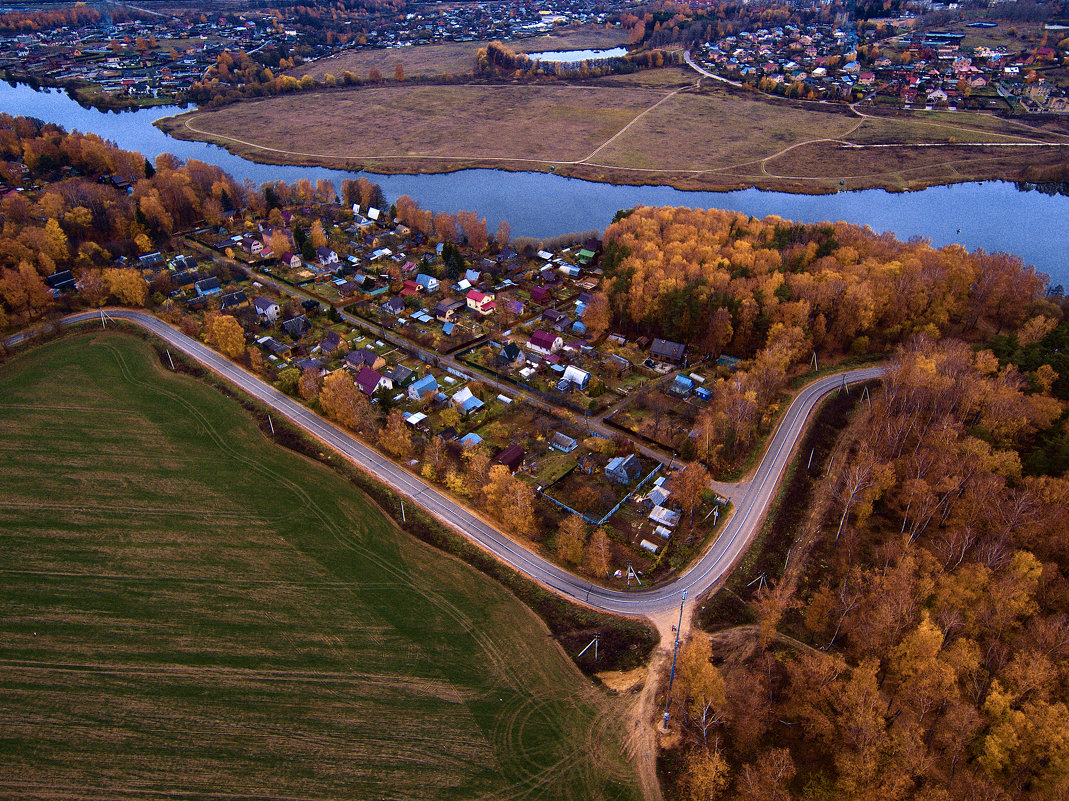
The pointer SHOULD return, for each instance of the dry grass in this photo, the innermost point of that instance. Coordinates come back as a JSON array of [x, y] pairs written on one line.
[[186, 607], [716, 131], [540, 123], [651, 127]]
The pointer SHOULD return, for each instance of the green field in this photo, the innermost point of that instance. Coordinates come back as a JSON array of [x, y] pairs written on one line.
[[187, 608]]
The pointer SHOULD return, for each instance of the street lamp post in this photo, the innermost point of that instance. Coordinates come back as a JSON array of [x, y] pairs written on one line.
[[675, 652]]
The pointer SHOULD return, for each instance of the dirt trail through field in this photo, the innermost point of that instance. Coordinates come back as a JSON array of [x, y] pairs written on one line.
[[644, 716]]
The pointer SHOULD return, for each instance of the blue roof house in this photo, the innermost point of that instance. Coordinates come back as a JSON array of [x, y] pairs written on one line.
[[427, 384]]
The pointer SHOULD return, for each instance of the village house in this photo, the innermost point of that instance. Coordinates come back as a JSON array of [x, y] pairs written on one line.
[[281, 350], [510, 355], [326, 256], [267, 309], [480, 302], [624, 469], [208, 286], [311, 364], [466, 401], [365, 357], [370, 381], [331, 343], [428, 282], [251, 245], [541, 294], [423, 387], [297, 326], [401, 376], [664, 517], [667, 351], [512, 457], [580, 379], [233, 300], [446, 311], [563, 443], [268, 232], [545, 343]]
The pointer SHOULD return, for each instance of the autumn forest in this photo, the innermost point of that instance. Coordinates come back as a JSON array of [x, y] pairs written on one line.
[[913, 643]]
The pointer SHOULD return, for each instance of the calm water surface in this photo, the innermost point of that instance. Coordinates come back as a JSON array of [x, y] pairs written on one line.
[[991, 215], [574, 56]]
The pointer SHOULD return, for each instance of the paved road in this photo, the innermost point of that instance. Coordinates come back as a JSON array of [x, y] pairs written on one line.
[[716, 562], [692, 63]]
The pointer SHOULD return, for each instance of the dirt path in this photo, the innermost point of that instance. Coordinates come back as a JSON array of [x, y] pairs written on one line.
[[641, 740], [738, 643], [644, 720], [637, 117]]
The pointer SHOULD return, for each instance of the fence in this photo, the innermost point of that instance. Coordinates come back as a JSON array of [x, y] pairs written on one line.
[[587, 518]]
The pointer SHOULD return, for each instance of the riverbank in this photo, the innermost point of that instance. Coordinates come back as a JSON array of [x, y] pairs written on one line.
[[995, 216], [631, 130]]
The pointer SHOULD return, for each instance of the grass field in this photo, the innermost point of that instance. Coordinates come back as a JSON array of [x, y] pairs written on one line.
[[541, 123], [188, 608], [650, 127]]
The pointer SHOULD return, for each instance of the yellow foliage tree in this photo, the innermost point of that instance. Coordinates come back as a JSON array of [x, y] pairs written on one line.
[[342, 402], [126, 286], [228, 336]]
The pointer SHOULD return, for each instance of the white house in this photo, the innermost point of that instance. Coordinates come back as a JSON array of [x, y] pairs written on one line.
[[267, 309], [545, 343]]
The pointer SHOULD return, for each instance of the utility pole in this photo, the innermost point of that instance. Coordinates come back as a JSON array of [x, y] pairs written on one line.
[[593, 642], [675, 652], [271, 424]]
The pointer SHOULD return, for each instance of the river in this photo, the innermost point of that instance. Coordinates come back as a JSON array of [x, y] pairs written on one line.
[[992, 215]]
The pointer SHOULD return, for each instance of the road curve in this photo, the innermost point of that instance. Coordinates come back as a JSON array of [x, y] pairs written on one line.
[[696, 580]]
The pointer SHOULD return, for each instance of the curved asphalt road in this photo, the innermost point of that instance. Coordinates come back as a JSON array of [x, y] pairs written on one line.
[[702, 575]]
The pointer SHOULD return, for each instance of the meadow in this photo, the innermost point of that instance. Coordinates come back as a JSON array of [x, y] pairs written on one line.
[[655, 126], [188, 607]]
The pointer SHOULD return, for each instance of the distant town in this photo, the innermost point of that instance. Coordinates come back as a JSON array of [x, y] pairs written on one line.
[[136, 57], [909, 69], [120, 56]]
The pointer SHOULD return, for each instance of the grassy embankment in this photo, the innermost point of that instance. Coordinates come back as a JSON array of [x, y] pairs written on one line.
[[651, 127], [189, 607]]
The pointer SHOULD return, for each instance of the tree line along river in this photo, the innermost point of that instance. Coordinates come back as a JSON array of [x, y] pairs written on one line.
[[992, 215]]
